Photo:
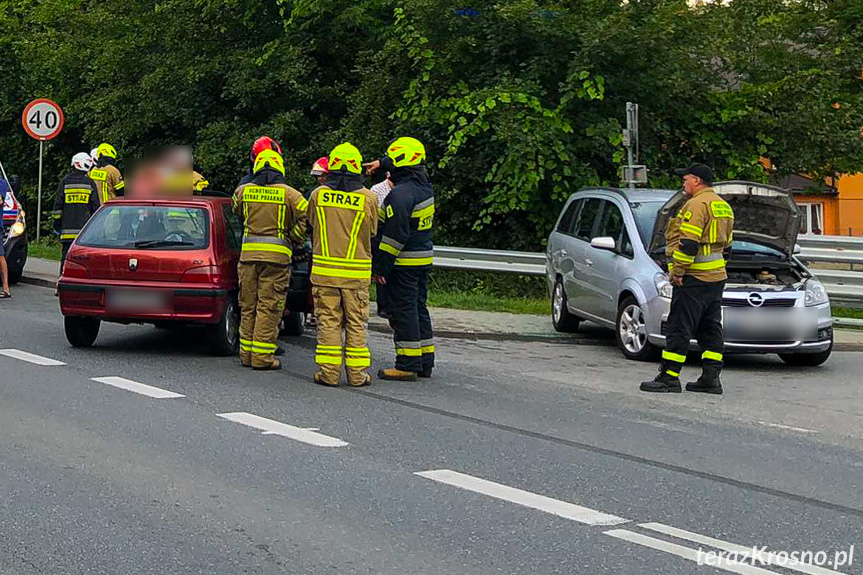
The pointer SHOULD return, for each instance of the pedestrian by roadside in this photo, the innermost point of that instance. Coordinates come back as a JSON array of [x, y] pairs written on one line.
[[381, 191], [273, 214], [109, 181], [4, 269], [697, 242], [77, 200], [343, 217], [404, 258]]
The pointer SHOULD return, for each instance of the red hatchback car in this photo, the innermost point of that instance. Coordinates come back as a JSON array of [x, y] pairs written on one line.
[[163, 261]]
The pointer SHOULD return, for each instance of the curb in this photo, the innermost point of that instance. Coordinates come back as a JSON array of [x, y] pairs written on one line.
[[39, 281]]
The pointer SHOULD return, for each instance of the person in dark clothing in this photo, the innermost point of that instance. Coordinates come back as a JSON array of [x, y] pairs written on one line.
[[77, 200], [404, 257]]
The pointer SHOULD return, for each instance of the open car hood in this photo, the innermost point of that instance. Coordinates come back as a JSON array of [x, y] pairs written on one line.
[[762, 214]]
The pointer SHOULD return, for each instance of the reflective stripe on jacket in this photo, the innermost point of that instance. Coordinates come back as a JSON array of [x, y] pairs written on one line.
[[698, 237], [408, 222], [271, 214], [77, 200]]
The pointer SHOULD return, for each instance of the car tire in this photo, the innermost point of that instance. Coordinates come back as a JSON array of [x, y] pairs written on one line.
[[15, 265], [807, 359], [561, 318], [294, 324], [631, 332], [224, 337], [81, 331]]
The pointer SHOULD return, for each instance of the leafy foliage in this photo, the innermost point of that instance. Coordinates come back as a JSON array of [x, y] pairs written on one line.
[[519, 102]]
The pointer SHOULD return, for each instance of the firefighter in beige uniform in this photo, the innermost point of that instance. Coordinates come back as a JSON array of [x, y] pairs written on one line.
[[274, 216], [344, 218], [109, 182]]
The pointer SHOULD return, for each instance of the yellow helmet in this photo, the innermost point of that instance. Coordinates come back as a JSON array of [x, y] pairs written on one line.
[[346, 157], [406, 152], [106, 150], [269, 158]]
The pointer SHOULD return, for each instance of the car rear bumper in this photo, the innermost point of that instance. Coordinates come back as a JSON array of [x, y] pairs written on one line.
[[188, 303], [819, 319]]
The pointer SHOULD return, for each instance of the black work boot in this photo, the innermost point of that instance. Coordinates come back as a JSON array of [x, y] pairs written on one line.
[[662, 383], [707, 383]]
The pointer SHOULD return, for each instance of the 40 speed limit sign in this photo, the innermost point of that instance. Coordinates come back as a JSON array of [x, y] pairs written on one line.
[[42, 119]]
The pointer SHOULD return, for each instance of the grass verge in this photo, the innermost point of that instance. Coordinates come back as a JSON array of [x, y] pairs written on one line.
[[850, 312], [46, 249]]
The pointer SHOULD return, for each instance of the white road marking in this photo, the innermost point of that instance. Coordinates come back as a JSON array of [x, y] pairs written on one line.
[[269, 427], [770, 558], [30, 357], [520, 497], [685, 552], [780, 426], [136, 387]]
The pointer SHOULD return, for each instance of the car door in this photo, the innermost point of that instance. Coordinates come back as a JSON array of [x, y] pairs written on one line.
[[579, 288], [561, 245], [606, 268]]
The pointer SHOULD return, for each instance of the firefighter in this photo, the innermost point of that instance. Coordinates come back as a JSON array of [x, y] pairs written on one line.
[[199, 183], [697, 242], [271, 211], [109, 182], [320, 169], [258, 146], [344, 217], [77, 200], [404, 258]]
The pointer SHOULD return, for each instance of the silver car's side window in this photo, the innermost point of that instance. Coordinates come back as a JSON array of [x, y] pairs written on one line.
[[584, 223], [613, 225], [568, 218]]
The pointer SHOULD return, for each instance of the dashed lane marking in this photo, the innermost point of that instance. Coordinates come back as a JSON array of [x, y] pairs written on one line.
[[769, 557], [788, 427], [524, 498], [685, 552], [135, 387], [30, 357], [308, 435]]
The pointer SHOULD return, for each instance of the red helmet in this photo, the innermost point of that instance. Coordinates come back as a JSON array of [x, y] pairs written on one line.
[[264, 143], [320, 167]]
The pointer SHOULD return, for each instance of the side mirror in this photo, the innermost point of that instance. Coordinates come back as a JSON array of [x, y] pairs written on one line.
[[797, 249], [15, 185], [604, 243]]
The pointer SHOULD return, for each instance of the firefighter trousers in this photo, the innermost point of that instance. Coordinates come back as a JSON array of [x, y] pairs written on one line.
[[696, 313], [263, 287], [342, 310], [407, 291]]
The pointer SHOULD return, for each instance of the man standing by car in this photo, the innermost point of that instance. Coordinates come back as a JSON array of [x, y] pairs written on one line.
[[272, 213], [405, 257], [344, 217], [109, 182], [77, 200], [696, 244]]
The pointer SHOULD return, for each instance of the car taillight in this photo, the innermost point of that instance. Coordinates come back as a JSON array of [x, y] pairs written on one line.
[[74, 270], [202, 274]]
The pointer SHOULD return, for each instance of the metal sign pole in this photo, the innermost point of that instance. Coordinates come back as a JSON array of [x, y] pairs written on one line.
[[39, 194]]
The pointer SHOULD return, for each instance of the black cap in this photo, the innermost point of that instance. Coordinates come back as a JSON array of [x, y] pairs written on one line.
[[698, 170]]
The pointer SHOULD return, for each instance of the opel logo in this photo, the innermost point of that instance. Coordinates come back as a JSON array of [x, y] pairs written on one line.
[[755, 299], [133, 264]]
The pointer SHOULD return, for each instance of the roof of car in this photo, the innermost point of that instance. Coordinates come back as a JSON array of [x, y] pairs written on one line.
[[637, 195], [195, 200]]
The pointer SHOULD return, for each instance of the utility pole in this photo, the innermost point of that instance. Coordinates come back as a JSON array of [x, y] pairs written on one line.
[[633, 173]]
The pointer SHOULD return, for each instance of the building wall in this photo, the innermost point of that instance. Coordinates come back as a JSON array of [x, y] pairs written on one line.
[[830, 210], [850, 205]]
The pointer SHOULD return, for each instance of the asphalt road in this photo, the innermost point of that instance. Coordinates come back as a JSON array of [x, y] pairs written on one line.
[[554, 461]]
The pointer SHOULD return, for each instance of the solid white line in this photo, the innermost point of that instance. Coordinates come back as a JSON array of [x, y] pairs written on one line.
[[520, 497], [771, 558], [685, 552], [269, 427], [30, 357], [780, 426], [136, 387]]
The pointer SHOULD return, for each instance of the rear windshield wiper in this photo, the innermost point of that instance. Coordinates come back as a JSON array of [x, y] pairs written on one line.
[[161, 243]]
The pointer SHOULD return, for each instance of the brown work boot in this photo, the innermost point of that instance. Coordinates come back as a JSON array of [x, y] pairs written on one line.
[[366, 381], [275, 365], [319, 379], [394, 374]]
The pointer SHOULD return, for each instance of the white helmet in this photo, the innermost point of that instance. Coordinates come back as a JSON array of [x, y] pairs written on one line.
[[94, 155], [82, 161]]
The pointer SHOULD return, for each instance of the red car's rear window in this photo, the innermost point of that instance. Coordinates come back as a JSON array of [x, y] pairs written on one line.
[[148, 227]]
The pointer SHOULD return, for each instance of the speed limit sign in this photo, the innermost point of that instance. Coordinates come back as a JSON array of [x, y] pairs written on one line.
[[42, 119]]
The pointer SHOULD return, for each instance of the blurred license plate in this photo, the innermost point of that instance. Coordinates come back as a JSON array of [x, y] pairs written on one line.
[[137, 301], [769, 325]]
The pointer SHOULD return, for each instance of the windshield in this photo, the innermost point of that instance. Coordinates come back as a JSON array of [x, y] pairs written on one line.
[[741, 247], [147, 227], [645, 217]]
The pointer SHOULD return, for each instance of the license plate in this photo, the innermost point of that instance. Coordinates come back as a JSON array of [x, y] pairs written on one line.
[[137, 301], [769, 325]]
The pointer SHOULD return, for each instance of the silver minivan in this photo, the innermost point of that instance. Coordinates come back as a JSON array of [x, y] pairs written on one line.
[[606, 263]]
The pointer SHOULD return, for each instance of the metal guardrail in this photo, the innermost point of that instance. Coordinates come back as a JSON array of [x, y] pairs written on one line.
[[843, 285]]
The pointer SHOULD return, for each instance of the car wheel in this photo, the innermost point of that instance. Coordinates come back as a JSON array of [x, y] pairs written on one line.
[[81, 331], [631, 332], [561, 318], [225, 336], [294, 324], [16, 267], [807, 359]]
